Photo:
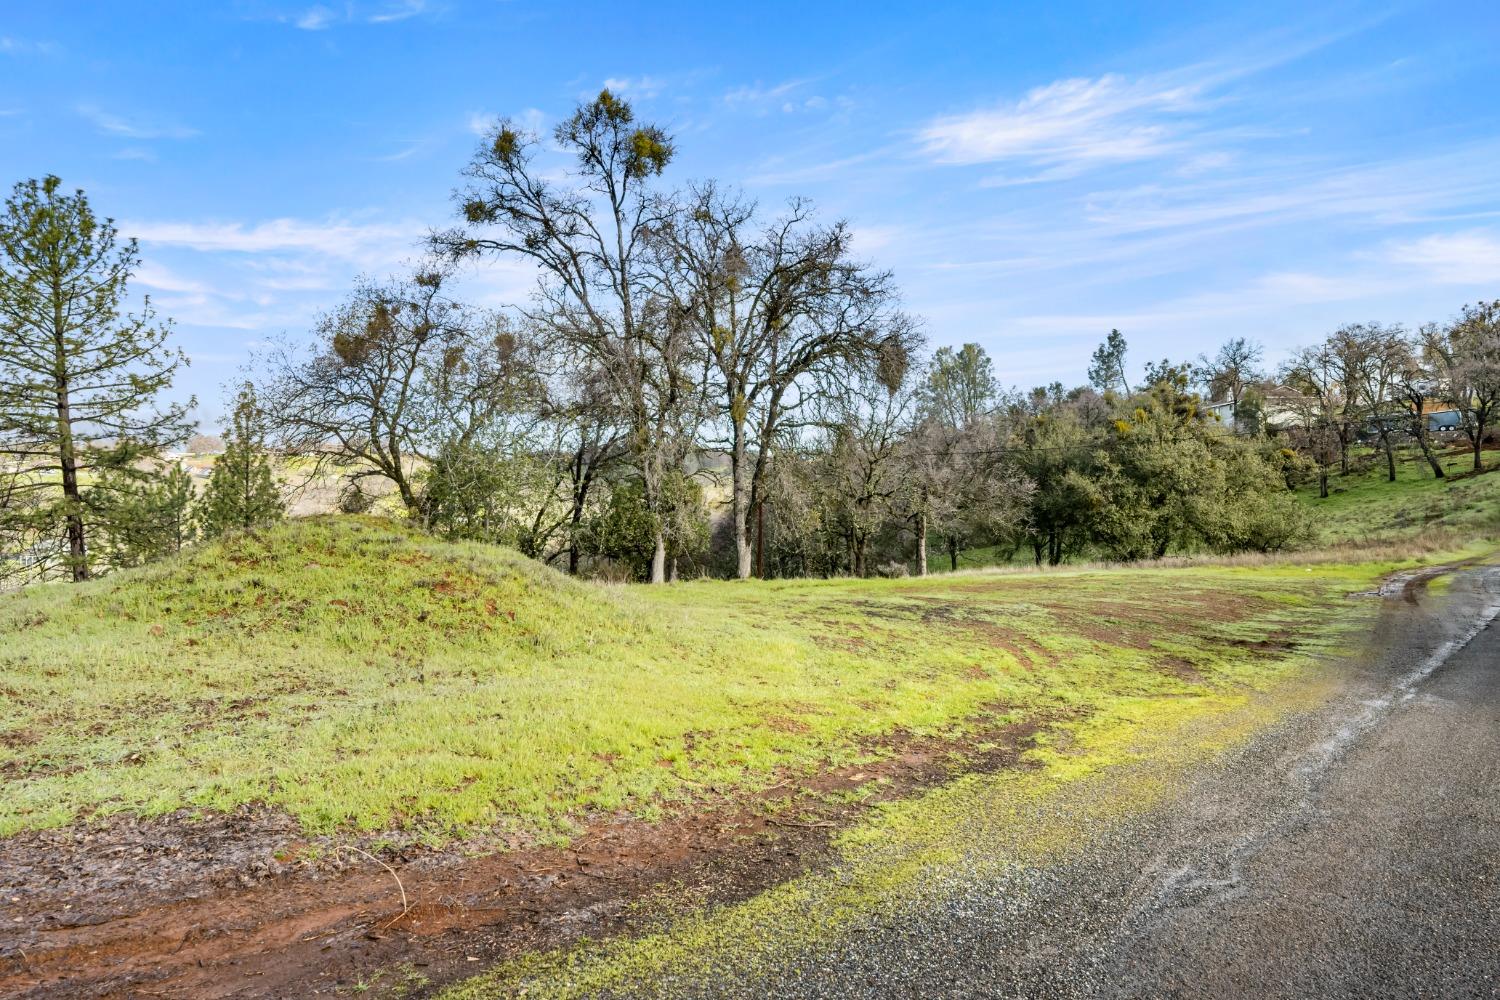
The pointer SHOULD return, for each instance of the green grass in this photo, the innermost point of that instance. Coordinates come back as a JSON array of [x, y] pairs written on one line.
[[978, 829], [1364, 505], [362, 677]]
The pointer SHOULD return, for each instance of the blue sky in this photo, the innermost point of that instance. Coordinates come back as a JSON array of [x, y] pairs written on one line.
[[1034, 173]]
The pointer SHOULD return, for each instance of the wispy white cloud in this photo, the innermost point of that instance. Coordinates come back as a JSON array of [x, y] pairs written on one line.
[[400, 11], [787, 97], [484, 122], [779, 172], [155, 276], [334, 238], [406, 149], [12, 46], [639, 87], [1077, 121], [264, 276], [868, 241], [1465, 258], [109, 123], [762, 98], [315, 18], [135, 153], [214, 311], [1206, 163], [320, 17], [1393, 190]]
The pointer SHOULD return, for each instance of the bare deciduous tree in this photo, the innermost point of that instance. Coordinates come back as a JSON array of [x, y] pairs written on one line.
[[1417, 386], [589, 238], [777, 311], [1376, 382], [1466, 356], [1230, 373], [397, 373]]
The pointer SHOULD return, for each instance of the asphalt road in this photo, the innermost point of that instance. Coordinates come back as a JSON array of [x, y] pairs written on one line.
[[1352, 850]]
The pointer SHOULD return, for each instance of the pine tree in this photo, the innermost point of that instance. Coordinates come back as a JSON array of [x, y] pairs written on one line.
[[1107, 367], [79, 377], [149, 518], [241, 492]]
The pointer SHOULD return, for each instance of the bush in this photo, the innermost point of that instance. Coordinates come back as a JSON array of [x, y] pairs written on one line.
[[354, 500]]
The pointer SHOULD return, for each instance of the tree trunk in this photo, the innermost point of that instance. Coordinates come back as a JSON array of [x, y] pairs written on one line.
[[659, 559], [672, 570], [953, 553], [1432, 462], [1323, 484], [583, 479], [68, 464], [739, 504], [1343, 454], [921, 544], [760, 539], [1390, 457]]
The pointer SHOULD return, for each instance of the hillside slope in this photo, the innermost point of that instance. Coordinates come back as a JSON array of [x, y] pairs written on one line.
[[1365, 505], [356, 675]]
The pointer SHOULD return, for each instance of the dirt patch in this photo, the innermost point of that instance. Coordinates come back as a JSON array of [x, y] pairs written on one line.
[[1181, 668], [1274, 643], [232, 905], [1142, 625]]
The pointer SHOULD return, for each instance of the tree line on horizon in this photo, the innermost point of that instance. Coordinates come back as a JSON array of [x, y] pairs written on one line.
[[677, 339]]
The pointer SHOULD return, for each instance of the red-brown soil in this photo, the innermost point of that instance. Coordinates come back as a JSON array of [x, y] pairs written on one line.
[[225, 906]]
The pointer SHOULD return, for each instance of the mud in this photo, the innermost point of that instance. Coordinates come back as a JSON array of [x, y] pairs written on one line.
[[239, 905]]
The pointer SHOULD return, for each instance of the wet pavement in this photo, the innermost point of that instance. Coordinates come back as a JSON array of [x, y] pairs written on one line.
[[1350, 850]]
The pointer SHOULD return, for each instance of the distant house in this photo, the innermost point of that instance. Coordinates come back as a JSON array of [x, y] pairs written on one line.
[[1224, 411], [1272, 407], [1280, 408]]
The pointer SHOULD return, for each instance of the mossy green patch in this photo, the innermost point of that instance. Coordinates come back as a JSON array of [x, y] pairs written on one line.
[[1087, 776], [361, 676]]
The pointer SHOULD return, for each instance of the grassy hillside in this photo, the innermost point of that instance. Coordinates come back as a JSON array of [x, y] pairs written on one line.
[[1365, 505], [360, 676], [1362, 506]]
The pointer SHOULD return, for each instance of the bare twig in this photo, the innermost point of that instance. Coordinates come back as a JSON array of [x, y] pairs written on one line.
[[405, 906], [804, 826]]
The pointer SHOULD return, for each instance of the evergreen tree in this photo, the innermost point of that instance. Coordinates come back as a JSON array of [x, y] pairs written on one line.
[[241, 492], [960, 385], [149, 518], [1107, 367], [79, 377]]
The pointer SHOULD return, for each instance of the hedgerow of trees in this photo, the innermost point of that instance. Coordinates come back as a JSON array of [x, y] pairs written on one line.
[[698, 385]]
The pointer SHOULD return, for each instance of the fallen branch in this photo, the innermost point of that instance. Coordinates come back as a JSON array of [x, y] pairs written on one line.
[[405, 906], [803, 826]]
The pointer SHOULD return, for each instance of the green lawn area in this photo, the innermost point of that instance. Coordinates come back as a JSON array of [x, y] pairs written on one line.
[[361, 676], [1362, 506], [1366, 505]]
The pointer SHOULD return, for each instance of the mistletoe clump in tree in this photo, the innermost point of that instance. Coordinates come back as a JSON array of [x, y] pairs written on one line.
[[79, 380]]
